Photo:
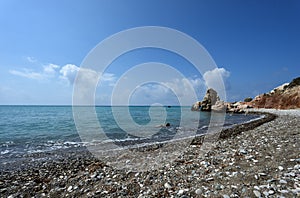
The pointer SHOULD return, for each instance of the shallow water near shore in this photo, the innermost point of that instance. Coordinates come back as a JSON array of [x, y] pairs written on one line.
[[29, 133]]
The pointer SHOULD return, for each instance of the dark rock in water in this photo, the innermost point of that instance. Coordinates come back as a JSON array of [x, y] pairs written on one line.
[[210, 99]]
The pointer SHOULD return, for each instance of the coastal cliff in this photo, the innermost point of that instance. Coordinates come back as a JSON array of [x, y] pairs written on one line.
[[286, 96]]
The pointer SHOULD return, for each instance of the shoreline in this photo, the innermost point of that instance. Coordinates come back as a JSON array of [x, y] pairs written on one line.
[[246, 161]]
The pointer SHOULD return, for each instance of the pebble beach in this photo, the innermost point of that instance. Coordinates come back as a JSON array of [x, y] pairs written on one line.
[[260, 161]]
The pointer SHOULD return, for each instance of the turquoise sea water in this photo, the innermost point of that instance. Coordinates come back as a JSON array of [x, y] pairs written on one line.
[[35, 129]]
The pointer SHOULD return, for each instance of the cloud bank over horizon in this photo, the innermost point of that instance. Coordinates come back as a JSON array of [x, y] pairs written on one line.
[[166, 92]]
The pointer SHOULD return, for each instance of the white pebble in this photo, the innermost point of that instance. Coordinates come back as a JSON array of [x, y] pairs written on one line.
[[284, 191], [282, 181], [180, 192], [280, 168], [256, 193], [271, 192], [198, 191], [266, 193], [167, 185], [70, 189]]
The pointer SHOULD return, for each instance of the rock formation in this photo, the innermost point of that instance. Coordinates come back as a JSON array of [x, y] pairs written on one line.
[[286, 96], [196, 106], [238, 107], [209, 100], [219, 106]]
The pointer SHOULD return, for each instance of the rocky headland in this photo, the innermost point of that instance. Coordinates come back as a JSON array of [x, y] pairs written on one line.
[[286, 96]]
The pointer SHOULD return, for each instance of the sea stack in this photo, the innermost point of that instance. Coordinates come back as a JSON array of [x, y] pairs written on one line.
[[210, 102]]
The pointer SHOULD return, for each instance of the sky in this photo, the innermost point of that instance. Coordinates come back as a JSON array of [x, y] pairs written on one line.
[[255, 45]]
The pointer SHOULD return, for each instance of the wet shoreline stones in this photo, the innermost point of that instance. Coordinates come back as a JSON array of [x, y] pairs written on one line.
[[260, 162]]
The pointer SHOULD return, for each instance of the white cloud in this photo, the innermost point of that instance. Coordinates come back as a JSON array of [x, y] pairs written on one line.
[[108, 77], [50, 69], [151, 93], [172, 92], [215, 79], [27, 74], [31, 59], [69, 72], [185, 87]]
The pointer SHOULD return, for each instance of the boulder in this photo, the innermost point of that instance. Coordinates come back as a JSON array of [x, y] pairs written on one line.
[[220, 106], [210, 99], [238, 107], [196, 106]]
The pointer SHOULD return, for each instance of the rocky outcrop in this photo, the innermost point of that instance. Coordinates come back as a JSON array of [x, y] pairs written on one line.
[[238, 107], [286, 96], [196, 106], [210, 99], [210, 102], [220, 106], [295, 82]]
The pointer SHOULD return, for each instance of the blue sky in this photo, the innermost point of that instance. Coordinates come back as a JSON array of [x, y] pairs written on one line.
[[42, 43]]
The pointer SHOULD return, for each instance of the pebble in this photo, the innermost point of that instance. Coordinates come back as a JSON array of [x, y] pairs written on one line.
[[167, 185], [70, 189], [283, 191], [280, 168], [210, 179], [256, 193], [271, 192], [243, 151], [282, 181], [262, 174], [266, 193], [180, 192], [198, 191]]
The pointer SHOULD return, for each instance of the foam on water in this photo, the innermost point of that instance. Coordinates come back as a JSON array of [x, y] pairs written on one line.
[[26, 130]]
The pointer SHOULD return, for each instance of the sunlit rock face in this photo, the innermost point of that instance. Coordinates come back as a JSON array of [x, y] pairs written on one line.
[[286, 96]]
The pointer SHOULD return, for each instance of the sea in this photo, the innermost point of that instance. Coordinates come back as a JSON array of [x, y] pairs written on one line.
[[26, 132]]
